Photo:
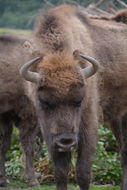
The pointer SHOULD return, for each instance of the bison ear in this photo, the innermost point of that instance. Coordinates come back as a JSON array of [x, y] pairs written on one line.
[[76, 54], [31, 49], [28, 45]]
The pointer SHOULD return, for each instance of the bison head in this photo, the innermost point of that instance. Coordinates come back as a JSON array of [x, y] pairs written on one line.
[[60, 96]]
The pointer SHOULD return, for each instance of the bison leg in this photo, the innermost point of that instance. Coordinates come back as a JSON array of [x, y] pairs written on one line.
[[5, 141], [28, 138], [28, 132], [119, 128], [61, 165], [116, 127], [124, 152], [86, 150]]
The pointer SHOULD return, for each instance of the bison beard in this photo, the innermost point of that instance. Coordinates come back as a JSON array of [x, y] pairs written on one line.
[[67, 93]]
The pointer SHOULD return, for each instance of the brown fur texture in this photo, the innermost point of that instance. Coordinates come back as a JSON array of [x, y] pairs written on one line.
[[15, 107], [121, 16], [67, 105]]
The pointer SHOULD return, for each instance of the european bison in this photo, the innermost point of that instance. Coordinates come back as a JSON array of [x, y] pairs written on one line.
[[67, 93], [15, 107]]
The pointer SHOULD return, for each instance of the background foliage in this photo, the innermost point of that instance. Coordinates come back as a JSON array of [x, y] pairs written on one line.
[[22, 13], [106, 167]]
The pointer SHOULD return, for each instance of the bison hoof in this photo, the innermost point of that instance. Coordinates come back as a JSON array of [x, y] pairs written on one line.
[[3, 184]]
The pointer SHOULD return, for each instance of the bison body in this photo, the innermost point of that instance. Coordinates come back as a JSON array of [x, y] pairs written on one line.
[[15, 107], [68, 94], [113, 81]]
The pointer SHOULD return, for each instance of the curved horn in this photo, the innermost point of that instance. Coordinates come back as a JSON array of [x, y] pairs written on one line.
[[90, 70], [28, 75]]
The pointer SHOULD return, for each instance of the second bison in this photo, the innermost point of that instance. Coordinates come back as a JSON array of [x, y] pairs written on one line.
[[15, 107]]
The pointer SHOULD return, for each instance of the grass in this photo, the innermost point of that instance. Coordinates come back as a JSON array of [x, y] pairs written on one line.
[[104, 188], [72, 187], [13, 31], [52, 187], [14, 185]]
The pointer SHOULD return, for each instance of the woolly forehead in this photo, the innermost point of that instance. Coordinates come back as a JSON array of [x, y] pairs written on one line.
[[61, 74]]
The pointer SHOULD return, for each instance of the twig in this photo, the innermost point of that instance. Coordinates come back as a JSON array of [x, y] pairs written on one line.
[[98, 3], [102, 11], [122, 3], [95, 5], [48, 3]]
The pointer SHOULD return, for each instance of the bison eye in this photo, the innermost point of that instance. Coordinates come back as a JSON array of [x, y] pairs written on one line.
[[46, 104], [77, 103]]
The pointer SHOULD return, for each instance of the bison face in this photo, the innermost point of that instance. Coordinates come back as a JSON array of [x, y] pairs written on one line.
[[60, 94], [60, 116]]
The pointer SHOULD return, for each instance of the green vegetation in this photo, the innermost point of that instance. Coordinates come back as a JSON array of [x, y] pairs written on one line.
[[13, 31], [22, 185], [13, 164], [22, 13], [106, 167]]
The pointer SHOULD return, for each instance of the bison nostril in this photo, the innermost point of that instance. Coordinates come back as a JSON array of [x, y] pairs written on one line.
[[66, 141]]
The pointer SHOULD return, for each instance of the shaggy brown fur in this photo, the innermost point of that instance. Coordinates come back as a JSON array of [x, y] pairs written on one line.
[[15, 106], [67, 105], [121, 16]]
